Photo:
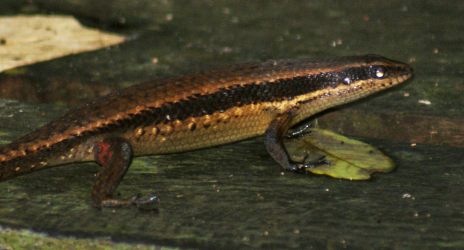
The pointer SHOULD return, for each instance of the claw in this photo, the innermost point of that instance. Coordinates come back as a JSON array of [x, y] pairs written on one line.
[[150, 202], [301, 167]]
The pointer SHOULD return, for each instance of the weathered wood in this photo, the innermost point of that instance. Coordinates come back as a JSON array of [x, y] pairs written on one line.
[[235, 196], [397, 126]]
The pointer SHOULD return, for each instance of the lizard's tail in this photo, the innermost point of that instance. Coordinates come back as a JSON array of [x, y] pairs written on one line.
[[19, 157], [15, 162]]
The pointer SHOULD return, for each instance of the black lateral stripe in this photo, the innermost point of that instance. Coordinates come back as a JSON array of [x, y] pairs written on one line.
[[252, 93], [200, 105]]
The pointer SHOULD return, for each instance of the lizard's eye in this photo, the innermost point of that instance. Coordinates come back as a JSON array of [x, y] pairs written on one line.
[[347, 80], [378, 72]]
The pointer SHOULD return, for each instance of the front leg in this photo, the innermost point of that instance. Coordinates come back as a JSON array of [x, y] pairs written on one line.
[[274, 141], [115, 156]]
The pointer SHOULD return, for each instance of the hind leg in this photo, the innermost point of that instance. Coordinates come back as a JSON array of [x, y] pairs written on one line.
[[114, 155]]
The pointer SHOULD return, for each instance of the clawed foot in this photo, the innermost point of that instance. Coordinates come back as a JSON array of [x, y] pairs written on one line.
[[301, 167], [149, 202]]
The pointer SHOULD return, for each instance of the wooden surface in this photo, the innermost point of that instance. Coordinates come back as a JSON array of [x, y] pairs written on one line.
[[235, 196]]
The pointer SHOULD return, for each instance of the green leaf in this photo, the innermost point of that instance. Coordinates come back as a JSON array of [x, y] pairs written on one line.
[[348, 158]]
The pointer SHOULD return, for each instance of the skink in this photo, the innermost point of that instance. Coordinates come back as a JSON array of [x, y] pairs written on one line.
[[196, 111]]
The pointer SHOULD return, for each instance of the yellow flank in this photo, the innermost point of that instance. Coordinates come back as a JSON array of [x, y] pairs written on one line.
[[209, 130]]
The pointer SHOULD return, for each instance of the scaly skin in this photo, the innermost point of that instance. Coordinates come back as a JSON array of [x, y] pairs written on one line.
[[197, 111]]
